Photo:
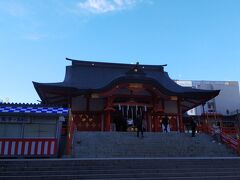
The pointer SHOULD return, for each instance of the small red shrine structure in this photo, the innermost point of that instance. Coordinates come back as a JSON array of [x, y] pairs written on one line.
[[104, 96]]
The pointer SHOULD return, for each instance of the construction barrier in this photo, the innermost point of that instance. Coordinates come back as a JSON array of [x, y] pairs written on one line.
[[43, 147]]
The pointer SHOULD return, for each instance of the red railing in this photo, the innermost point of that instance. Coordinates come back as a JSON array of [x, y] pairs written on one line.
[[231, 142], [210, 130], [35, 147], [226, 136], [205, 129], [229, 130]]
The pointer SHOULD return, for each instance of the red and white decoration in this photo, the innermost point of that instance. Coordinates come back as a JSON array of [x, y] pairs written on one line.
[[28, 147]]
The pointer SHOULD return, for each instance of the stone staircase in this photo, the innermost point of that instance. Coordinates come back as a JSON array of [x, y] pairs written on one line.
[[123, 169], [127, 145], [123, 156]]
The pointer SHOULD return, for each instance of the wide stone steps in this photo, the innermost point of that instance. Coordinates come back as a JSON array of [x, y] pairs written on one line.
[[125, 144], [123, 156], [134, 168]]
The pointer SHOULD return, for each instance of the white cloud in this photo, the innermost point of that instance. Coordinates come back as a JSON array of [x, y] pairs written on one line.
[[105, 6], [35, 36]]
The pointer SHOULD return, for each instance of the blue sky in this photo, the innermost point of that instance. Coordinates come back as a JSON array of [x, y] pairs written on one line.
[[198, 39]]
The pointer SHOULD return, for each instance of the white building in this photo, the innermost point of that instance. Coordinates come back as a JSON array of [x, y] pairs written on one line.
[[226, 103]]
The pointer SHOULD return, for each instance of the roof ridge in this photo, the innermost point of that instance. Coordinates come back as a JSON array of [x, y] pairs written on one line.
[[93, 63]]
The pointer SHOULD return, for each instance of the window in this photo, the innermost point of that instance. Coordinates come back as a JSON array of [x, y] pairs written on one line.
[[10, 130], [31, 130], [39, 130], [47, 130]]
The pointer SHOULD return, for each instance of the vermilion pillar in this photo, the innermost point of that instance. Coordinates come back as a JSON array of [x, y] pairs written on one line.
[[107, 123], [180, 119], [155, 122], [154, 100], [70, 131], [108, 111]]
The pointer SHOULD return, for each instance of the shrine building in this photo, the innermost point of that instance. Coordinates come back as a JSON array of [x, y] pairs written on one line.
[[109, 96]]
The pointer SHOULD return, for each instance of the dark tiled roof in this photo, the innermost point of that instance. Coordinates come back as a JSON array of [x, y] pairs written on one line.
[[89, 76]]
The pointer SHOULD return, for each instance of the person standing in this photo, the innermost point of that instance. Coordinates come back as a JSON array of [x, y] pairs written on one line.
[[139, 122], [165, 123], [193, 127], [217, 132]]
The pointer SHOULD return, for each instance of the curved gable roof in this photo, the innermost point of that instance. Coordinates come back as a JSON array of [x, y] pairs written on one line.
[[89, 76]]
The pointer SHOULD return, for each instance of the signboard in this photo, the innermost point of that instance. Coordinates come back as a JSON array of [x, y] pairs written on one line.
[[8, 119]]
